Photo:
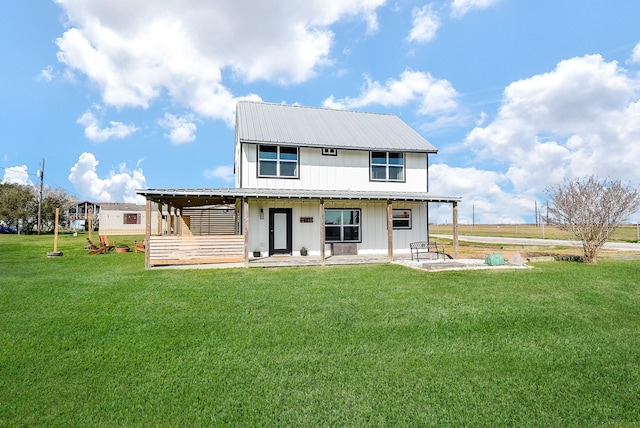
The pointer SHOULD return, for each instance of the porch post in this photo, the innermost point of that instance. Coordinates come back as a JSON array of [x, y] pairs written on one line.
[[455, 230], [245, 230], [147, 238], [90, 224], [172, 229], [322, 235], [390, 229], [179, 221], [159, 218]]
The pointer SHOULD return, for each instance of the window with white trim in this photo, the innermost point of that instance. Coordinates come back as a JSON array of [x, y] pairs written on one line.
[[277, 161], [342, 225], [401, 218], [387, 166]]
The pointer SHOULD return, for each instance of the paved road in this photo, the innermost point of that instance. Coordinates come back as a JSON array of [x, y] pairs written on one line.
[[618, 246]]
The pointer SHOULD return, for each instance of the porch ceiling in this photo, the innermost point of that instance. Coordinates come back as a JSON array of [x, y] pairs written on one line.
[[182, 198]]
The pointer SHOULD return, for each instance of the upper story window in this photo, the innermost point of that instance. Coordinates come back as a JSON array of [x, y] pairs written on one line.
[[277, 161], [387, 166]]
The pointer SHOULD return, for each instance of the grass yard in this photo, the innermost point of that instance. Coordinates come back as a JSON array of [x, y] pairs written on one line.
[[99, 341]]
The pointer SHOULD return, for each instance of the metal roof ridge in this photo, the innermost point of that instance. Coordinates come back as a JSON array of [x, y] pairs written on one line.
[[315, 108]]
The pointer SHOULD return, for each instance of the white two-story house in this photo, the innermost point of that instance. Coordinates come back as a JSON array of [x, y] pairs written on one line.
[[330, 182]]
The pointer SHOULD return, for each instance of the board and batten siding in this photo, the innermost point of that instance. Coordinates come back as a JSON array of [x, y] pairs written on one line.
[[373, 225], [348, 170]]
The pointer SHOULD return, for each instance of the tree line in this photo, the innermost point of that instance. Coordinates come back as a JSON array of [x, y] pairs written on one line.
[[19, 207]]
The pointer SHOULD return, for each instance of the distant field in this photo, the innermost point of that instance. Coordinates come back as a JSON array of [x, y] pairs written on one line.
[[626, 233], [100, 341], [476, 250]]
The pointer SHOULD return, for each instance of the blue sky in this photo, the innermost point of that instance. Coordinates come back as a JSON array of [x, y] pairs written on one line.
[[516, 95]]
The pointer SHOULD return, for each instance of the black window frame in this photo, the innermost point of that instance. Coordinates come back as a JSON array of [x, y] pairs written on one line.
[[387, 166], [342, 226], [278, 161]]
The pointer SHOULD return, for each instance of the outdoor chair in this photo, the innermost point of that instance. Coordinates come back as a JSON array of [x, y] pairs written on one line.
[[103, 248], [90, 245], [104, 242], [139, 246]]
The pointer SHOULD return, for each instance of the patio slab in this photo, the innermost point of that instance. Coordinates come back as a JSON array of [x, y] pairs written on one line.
[[402, 259]]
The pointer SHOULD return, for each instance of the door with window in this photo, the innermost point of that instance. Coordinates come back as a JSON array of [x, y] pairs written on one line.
[[280, 227]]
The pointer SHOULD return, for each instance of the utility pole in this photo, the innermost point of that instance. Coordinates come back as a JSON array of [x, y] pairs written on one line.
[[547, 212], [41, 175], [473, 215]]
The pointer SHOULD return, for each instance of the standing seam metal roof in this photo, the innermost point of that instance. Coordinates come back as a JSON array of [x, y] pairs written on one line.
[[320, 127]]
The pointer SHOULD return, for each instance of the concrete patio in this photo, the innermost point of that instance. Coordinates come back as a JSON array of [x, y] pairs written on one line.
[[402, 259]]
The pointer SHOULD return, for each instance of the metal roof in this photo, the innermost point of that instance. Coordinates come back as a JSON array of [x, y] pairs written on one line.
[[258, 122], [198, 197], [117, 206]]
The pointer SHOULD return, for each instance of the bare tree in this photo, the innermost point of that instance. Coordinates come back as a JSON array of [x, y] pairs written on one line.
[[55, 198], [591, 210]]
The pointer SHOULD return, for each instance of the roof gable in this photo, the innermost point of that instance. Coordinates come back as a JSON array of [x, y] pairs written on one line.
[[320, 127]]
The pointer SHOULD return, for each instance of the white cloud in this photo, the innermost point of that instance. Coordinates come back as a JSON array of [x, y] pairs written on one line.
[[136, 51], [483, 198], [459, 8], [635, 55], [224, 172], [581, 118], [434, 96], [181, 129], [46, 74], [94, 132], [18, 174], [425, 24], [116, 187]]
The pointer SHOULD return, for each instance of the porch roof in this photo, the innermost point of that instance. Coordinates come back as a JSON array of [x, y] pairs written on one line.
[[182, 198]]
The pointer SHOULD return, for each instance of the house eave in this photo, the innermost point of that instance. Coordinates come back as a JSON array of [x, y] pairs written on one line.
[[181, 198], [340, 147]]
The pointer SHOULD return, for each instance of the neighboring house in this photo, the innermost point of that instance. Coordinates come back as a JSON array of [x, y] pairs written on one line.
[[111, 218], [83, 214], [332, 181], [125, 219]]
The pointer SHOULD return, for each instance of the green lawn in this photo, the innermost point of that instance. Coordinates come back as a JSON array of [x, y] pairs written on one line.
[[99, 341]]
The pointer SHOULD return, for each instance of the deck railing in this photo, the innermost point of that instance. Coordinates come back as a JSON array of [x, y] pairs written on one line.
[[188, 250]]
